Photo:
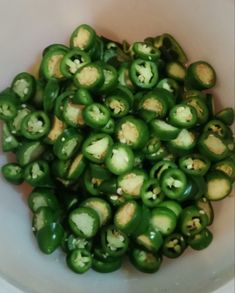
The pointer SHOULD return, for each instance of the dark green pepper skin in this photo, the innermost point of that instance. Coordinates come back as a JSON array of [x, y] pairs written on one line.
[[154, 242], [226, 115], [50, 237], [170, 85], [175, 117], [9, 141], [192, 221], [144, 261], [196, 168], [79, 261], [29, 91], [83, 97], [135, 71], [174, 245], [201, 240], [13, 173], [8, 100], [106, 266], [90, 118], [43, 216], [50, 93], [216, 127]]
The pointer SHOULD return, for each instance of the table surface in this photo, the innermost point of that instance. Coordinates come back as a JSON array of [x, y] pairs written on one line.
[[5, 287]]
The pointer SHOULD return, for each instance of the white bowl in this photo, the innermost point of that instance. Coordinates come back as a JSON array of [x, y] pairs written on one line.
[[205, 28]]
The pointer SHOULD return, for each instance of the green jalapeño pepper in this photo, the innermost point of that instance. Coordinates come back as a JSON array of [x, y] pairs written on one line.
[[173, 183], [216, 127], [212, 146], [201, 240], [174, 245], [204, 204], [8, 105], [50, 237], [226, 166], [67, 144], [119, 159], [226, 115], [13, 173], [151, 240], [170, 85], [106, 266], [114, 242], [200, 75], [96, 115], [75, 242], [73, 113], [50, 93], [83, 97], [42, 217], [153, 105], [57, 128], [183, 116], [84, 222], [192, 221], [79, 261], [194, 100], [16, 123], [143, 74], [163, 220], [37, 174], [163, 130], [90, 77], [152, 146], [96, 146], [110, 78], [130, 183], [145, 51], [128, 217], [72, 61], [145, 261], [183, 143], [35, 125], [158, 168], [9, 141], [42, 197], [176, 71], [172, 205], [151, 194], [24, 85], [83, 37], [194, 164], [133, 132], [51, 63], [219, 185]]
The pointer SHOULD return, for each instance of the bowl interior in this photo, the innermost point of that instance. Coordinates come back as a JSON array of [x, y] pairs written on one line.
[[206, 31]]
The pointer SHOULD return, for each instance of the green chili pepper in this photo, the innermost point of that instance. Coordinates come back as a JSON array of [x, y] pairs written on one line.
[[13, 173]]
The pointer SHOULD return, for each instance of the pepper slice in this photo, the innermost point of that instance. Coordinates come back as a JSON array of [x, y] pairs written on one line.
[[218, 185], [110, 78], [96, 147], [170, 85], [151, 194], [183, 143], [200, 75], [194, 164], [84, 222], [217, 127], [143, 74], [42, 197], [42, 217], [133, 132], [172, 205], [131, 183], [37, 174], [226, 115], [212, 146], [75, 242], [90, 76], [16, 123], [106, 266], [13, 173], [79, 261], [227, 166], [56, 130], [96, 115], [173, 183], [163, 220], [113, 241], [9, 142], [128, 217], [24, 85], [51, 62], [72, 61], [119, 159], [145, 51], [153, 105], [83, 37], [50, 237], [29, 152], [152, 146], [83, 97], [204, 204], [8, 105], [101, 207], [35, 125], [151, 240], [73, 113], [176, 71], [157, 169], [67, 144], [174, 245], [201, 240], [192, 221], [124, 76], [183, 116], [145, 261], [163, 130]]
